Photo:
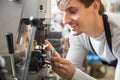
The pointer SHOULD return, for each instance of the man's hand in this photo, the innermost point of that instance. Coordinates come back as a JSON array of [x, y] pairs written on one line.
[[48, 46], [61, 66]]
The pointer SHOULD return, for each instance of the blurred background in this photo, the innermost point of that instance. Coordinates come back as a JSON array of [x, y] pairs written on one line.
[[24, 26]]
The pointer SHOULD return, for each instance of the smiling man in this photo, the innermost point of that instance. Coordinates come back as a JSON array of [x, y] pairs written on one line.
[[91, 31]]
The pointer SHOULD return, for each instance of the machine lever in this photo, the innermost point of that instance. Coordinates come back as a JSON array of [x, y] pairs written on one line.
[[9, 37]]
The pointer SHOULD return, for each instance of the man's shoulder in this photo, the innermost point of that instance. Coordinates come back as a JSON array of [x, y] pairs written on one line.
[[113, 15], [113, 18]]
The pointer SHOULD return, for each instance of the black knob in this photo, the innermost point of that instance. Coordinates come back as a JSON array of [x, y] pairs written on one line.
[[9, 37]]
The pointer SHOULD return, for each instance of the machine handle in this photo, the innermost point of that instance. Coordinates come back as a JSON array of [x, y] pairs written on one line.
[[9, 37]]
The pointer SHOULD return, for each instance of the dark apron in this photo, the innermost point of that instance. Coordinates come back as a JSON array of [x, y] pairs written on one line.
[[109, 41]]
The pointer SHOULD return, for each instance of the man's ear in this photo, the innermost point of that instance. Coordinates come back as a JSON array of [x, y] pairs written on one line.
[[96, 6]]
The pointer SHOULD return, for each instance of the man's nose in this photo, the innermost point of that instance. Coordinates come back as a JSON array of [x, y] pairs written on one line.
[[66, 18]]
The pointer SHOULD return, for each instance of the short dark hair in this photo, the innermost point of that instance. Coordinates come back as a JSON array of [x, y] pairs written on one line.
[[87, 3]]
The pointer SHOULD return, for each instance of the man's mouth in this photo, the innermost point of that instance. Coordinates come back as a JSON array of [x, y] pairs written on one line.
[[73, 27]]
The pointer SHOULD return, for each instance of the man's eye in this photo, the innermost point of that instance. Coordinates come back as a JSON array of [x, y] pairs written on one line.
[[72, 11]]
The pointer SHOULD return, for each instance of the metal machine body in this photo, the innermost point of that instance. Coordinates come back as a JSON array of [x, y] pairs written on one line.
[[12, 12], [15, 16]]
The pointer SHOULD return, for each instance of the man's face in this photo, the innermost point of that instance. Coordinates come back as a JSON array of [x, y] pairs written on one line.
[[78, 17]]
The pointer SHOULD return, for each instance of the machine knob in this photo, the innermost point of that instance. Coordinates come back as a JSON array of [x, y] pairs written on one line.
[[9, 37]]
